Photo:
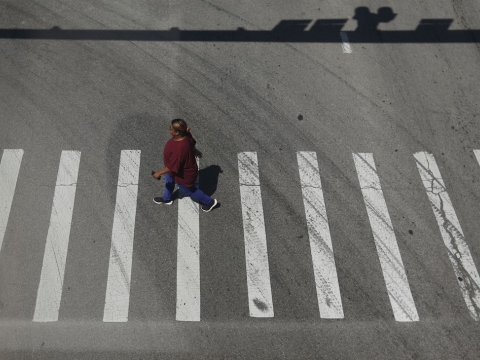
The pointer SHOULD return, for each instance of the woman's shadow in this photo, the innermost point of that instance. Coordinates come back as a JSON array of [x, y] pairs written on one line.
[[208, 182], [209, 179]]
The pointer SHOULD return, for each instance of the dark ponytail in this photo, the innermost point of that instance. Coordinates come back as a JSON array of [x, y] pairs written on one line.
[[181, 126]]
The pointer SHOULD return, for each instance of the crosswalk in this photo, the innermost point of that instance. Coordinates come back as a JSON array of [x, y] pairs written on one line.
[[325, 272], [390, 259], [120, 265], [452, 233], [9, 168], [55, 256], [256, 257], [257, 267], [188, 261]]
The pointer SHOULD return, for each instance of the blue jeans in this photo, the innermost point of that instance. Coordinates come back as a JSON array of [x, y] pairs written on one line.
[[192, 191]]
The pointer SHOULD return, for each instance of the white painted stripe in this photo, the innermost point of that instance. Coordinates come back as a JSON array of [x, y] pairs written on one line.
[[393, 270], [117, 297], [452, 234], [55, 256], [345, 43], [256, 257], [188, 260], [477, 155], [9, 168], [326, 280]]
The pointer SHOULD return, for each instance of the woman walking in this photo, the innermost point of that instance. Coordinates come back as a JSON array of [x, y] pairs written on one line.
[[181, 167]]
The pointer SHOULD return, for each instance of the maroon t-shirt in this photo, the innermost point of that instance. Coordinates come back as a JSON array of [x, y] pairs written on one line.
[[179, 158]]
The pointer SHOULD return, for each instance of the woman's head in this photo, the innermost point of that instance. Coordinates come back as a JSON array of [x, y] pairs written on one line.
[[180, 126]]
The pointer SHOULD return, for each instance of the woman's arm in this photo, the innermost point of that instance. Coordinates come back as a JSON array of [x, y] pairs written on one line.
[[197, 152], [159, 173]]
